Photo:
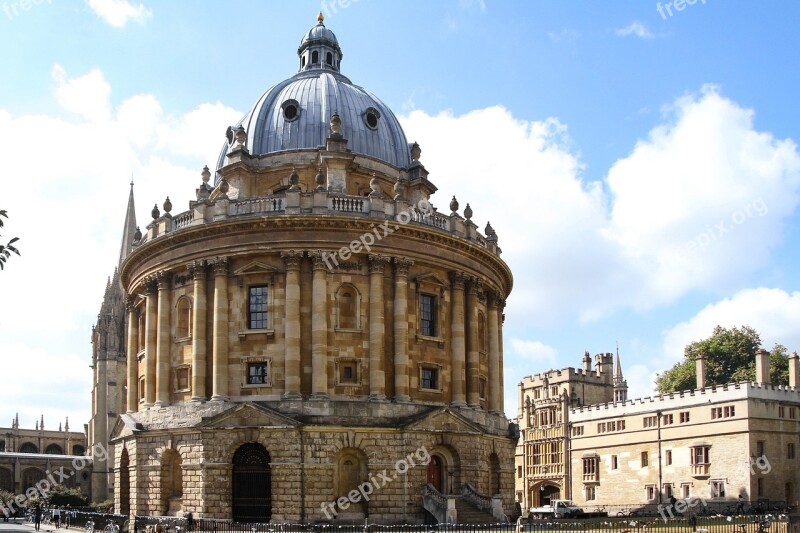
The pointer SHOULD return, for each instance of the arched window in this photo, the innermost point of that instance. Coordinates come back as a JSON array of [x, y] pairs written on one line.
[[32, 476], [184, 309], [252, 484], [124, 483], [171, 481], [481, 332], [28, 447], [351, 472], [54, 449], [78, 450], [142, 332], [314, 57], [329, 58], [303, 61], [347, 303], [6, 480]]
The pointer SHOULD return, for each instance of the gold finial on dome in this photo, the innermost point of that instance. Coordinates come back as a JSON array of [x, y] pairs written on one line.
[[320, 18]]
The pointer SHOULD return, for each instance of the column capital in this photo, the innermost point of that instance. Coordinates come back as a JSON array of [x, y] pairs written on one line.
[[292, 259], [318, 259], [198, 269], [163, 279], [492, 298], [220, 266], [475, 284], [457, 279], [130, 305], [149, 285], [377, 263], [401, 265]]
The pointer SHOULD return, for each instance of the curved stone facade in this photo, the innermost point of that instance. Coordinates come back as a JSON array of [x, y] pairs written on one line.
[[311, 322]]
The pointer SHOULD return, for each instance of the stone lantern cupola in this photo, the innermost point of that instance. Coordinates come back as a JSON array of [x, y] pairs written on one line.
[[319, 48]]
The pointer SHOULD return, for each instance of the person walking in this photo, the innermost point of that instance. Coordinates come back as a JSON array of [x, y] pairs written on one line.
[[57, 517], [37, 516]]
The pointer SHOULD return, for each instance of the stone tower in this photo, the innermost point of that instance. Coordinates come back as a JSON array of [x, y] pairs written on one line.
[[108, 367], [620, 385]]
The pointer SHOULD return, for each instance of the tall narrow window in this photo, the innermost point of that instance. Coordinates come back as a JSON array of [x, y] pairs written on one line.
[[482, 332], [427, 315], [257, 308], [184, 310], [314, 57], [329, 58], [430, 379], [347, 308], [645, 459]]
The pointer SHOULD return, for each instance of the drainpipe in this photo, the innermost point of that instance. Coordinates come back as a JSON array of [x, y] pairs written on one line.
[[658, 416]]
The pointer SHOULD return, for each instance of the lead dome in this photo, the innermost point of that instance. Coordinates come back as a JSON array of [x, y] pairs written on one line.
[[295, 113]]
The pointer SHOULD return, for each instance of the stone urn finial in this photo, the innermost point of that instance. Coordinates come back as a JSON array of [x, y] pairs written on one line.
[[138, 235], [155, 213], [336, 124], [490, 233], [375, 186], [416, 151], [205, 174], [241, 136], [167, 205], [294, 180], [320, 180], [468, 212], [454, 205], [399, 189]]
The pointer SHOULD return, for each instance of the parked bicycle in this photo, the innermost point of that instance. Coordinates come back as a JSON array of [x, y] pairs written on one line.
[[90, 526], [111, 527]]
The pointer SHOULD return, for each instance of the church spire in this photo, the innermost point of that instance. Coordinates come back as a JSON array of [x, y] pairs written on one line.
[[129, 229], [620, 385]]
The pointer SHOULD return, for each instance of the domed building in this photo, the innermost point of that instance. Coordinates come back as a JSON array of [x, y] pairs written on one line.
[[313, 340]]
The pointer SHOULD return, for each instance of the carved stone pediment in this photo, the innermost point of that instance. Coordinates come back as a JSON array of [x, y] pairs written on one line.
[[445, 420], [249, 415]]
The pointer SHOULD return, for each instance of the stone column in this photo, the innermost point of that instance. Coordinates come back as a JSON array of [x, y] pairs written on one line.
[[133, 360], [319, 327], [457, 345], [794, 370], [150, 319], [494, 353], [199, 343], [292, 325], [401, 329], [219, 354], [163, 339], [473, 355], [501, 304], [377, 377]]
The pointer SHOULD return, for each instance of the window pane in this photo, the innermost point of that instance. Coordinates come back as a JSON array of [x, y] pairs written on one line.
[[257, 373], [428, 315], [257, 310]]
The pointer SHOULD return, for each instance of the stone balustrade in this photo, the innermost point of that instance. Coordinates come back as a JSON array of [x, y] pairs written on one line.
[[318, 203]]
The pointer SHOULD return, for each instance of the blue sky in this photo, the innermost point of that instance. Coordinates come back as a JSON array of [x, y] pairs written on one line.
[[640, 167]]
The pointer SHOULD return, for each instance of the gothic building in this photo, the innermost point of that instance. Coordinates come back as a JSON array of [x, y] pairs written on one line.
[[312, 328]]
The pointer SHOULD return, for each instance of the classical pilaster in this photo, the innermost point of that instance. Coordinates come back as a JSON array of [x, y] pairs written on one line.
[[494, 352], [501, 304], [150, 323], [292, 324], [219, 355], [319, 326], [199, 343], [163, 279], [457, 344], [377, 376], [473, 357], [133, 361], [401, 392]]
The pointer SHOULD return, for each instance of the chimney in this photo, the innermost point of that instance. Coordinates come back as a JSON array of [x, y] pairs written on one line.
[[587, 363], [700, 370], [762, 366], [794, 370]]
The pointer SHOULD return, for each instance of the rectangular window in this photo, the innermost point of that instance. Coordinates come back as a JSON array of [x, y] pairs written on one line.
[[650, 422], [614, 462], [668, 457], [430, 378], [760, 448], [257, 308], [760, 487], [256, 373], [717, 488], [650, 492], [667, 419], [519, 471], [716, 412], [781, 412], [482, 388], [686, 489], [577, 431], [590, 466], [348, 373], [2, 445], [645, 459], [667, 490], [601, 427], [730, 411], [700, 455], [590, 493], [791, 412], [684, 417], [790, 450], [142, 389], [182, 378], [427, 313]]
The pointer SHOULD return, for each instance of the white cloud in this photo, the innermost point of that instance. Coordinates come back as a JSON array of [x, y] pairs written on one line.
[[473, 4], [636, 29], [117, 13], [70, 234], [536, 351], [565, 36]]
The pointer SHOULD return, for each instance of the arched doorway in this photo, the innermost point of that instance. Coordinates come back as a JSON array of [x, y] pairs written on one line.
[[494, 475], [124, 483], [351, 472], [251, 484], [549, 493], [436, 473], [171, 483], [788, 493]]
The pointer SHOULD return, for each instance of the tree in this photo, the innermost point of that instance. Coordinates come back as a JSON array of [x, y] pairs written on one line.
[[5, 250], [729, 356]]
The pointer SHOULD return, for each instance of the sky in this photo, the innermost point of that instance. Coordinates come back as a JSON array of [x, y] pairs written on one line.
[[638, 161]]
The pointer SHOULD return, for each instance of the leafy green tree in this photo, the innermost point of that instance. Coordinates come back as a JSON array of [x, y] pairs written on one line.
[[5, 250], [729, 356], [63, 496]]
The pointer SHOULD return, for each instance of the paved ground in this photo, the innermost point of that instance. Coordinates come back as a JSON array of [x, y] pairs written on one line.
[[21, 526]]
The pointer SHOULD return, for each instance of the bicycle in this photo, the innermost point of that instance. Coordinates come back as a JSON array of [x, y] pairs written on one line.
[[111, 527], [90, 526]]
